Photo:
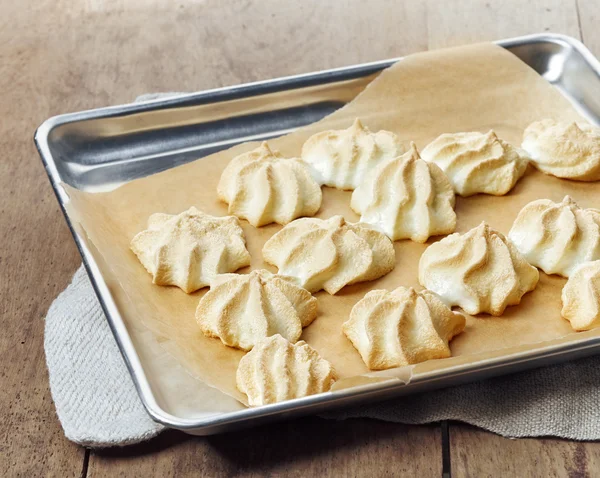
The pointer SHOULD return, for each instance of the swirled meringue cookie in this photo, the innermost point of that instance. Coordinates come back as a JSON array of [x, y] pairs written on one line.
[[565, 150], [557, 237], [581, 297], [262, 187], [479, 271], [342, 158], [189, 249], [402, 327], [242, 309], [276, 370], [329, 253], [477, 163], [406, 198]]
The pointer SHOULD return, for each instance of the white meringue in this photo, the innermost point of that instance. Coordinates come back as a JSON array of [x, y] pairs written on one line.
[[406, 198], [242, 309], [189, 249], [581, 297], [276, 370], [264, 187], [402, 327], [329, 254], [477, 163], [557, 237], [566, 150], [479, 271], [342, 158]]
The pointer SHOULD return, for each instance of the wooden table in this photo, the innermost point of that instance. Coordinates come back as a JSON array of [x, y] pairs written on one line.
[[58, 56]]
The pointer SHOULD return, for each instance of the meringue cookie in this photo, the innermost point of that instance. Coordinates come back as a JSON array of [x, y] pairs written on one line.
[[276, 370], [264, 187], [406, 198], [341, 158], [329, 254], [402, 327], [557, 237], [242, 309], [189, 249], [479, 271], [581, 297], [565, 150], [477, 162]]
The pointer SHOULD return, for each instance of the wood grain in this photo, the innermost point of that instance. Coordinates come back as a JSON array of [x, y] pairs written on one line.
[[37, 258], [589, 18], [455, 22], [476, 453], [59, 56], [306, 447]]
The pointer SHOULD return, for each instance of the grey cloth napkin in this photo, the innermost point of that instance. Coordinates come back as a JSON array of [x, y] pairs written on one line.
[[95, 398], [97, 403]]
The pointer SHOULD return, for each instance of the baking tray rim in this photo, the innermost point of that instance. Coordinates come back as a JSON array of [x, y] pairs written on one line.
[[216, 422]]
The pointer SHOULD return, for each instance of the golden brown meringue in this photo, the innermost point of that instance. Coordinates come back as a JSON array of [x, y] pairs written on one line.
[[264, 187], [189, 249], [329, 254], [566, 150], [479, 271], [402, 327], [477, 163], [342, 158], [276, 370], [581, 297], [557, 237], [406, 198], [242, 309]]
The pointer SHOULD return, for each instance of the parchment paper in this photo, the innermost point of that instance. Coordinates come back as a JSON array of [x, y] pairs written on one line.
[[472, 88]]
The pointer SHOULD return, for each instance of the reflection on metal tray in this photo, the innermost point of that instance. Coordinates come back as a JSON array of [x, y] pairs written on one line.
[[101, 149]]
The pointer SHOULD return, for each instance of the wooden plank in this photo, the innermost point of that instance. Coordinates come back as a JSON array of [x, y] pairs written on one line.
[[589, 16], [37, 256], [304, 447], [114, 50], [455, 22], [477, 453]]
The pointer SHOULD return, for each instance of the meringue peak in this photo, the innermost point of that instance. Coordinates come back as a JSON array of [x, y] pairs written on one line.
[[479, 271], [557, 237], [406, 198], [262, 187], [329, 253], [341, 158], [357, 126], [189, 249]]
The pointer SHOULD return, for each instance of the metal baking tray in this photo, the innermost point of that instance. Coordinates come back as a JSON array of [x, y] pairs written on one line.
[[100, 149]]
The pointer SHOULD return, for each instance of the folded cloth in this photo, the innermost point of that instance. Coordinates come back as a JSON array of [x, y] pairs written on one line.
[[97, 403], [94, 395]]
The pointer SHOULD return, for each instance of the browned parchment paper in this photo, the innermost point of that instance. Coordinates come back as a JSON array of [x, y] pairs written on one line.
[[470, 88]]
